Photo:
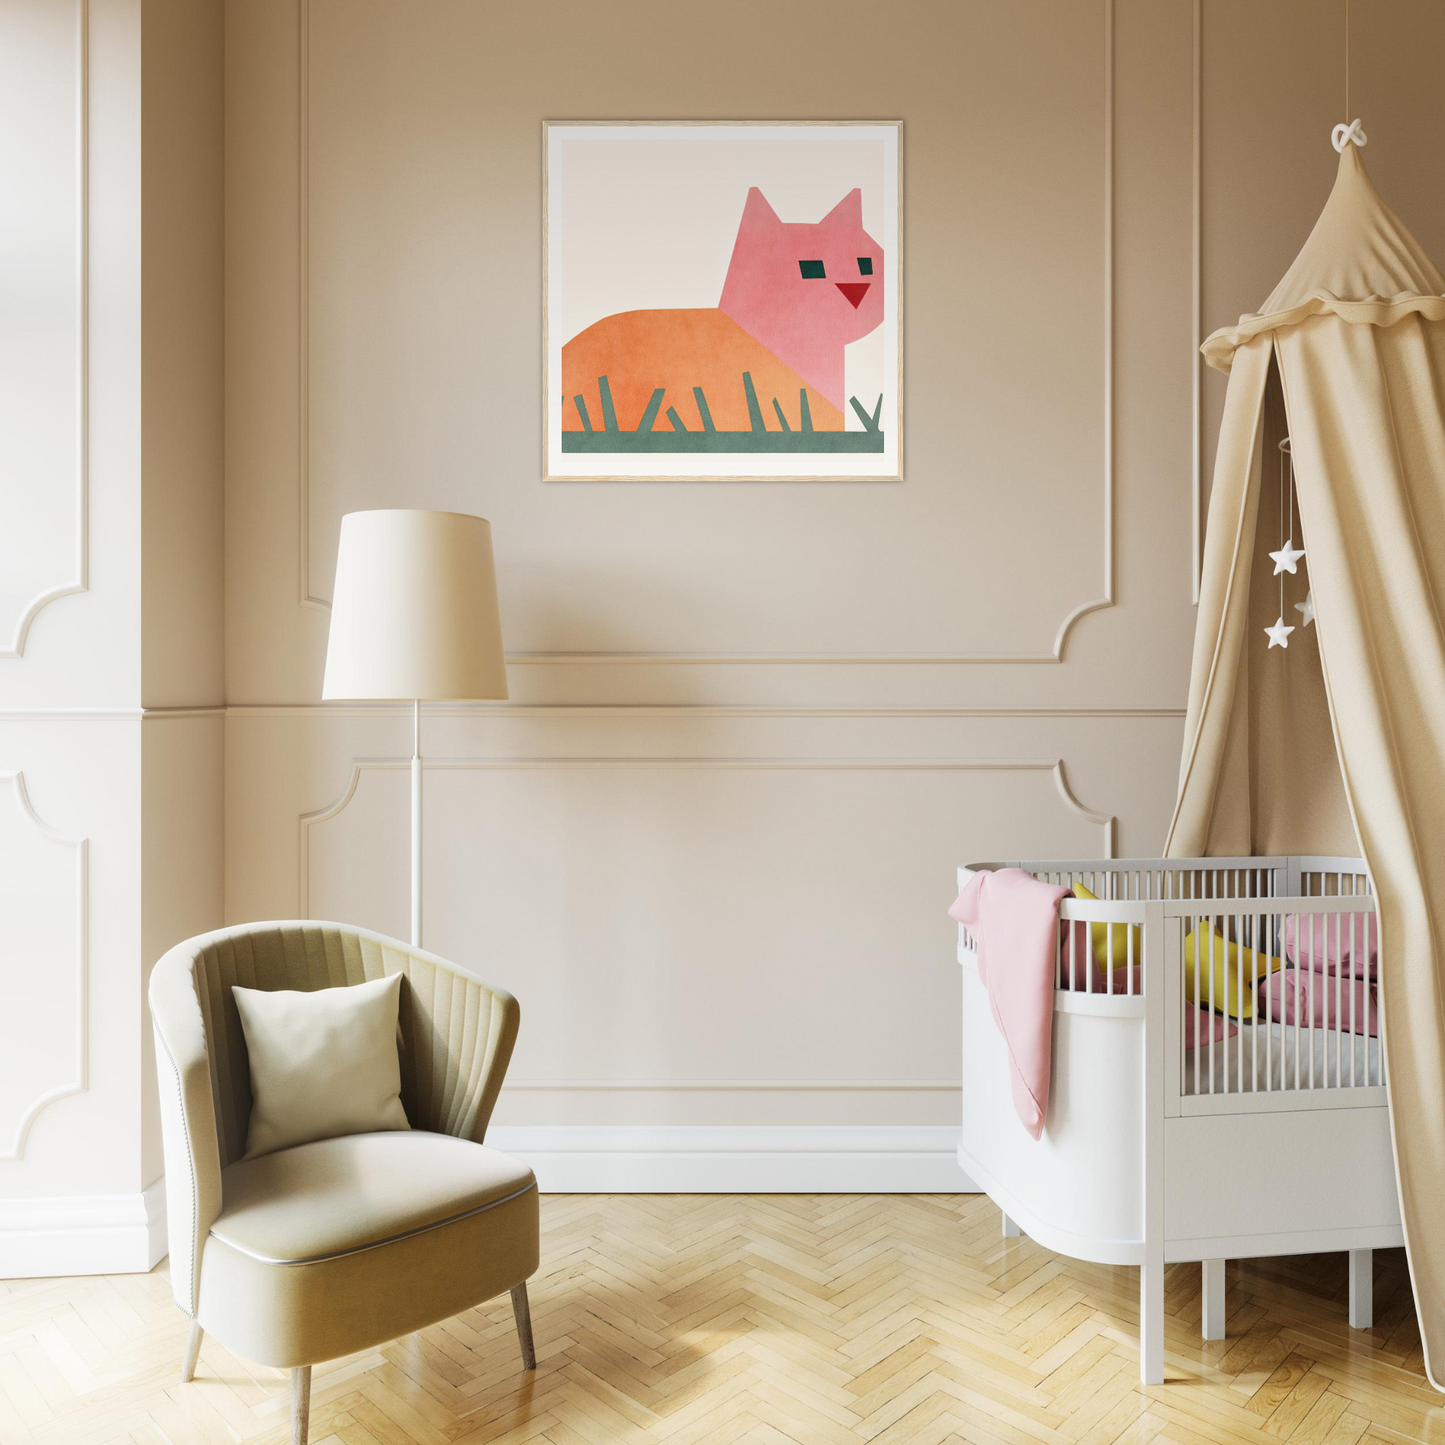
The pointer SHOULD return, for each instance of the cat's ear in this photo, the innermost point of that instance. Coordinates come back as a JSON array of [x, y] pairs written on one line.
[[848, 211], [757, 212]]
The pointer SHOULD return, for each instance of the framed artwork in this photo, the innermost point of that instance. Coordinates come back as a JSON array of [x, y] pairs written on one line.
[[722, 301]]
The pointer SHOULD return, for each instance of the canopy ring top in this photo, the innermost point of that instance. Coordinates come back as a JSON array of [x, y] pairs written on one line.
[[1343, 134]]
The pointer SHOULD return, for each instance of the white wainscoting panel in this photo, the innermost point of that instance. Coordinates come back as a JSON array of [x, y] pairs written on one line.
[[670, 918], [44, 416], [713, 918], [45, 906]]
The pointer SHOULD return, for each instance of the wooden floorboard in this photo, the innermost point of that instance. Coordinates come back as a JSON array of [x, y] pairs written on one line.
[[761, 1320]]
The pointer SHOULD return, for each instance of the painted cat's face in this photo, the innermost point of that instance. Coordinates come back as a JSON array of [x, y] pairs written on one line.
[[823, 278]]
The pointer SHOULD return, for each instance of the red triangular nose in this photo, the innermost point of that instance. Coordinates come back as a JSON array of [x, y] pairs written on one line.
[[855, 291]]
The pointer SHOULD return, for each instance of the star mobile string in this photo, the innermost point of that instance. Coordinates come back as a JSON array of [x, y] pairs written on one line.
[[1287, 558], [1306, 609]]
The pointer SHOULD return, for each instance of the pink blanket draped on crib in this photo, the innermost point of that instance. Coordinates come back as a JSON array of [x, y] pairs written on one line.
[[1014, 921]]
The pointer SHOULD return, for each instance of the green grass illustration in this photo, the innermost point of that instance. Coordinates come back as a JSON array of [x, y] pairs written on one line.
[[757, 439]]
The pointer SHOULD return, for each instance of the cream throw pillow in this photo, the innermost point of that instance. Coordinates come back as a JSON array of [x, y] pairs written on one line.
[[323, 1064]]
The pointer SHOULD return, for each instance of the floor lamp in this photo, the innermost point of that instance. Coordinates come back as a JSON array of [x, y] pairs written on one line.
[[414, 618]]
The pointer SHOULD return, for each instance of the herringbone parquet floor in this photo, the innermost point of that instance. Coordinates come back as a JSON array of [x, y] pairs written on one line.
[[780, 1320]]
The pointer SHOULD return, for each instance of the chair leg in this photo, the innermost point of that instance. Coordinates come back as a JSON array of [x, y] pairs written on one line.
[[193, 1350], [300, 1404], [523, 1312]]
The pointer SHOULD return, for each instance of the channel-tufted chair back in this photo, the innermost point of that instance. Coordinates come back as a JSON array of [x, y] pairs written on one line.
[[456, 1031]]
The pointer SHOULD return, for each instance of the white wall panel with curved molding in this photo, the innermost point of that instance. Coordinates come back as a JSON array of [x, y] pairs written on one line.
[[110, 478]]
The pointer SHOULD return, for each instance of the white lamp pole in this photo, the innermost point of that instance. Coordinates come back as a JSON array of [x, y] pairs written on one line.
[[416, 823], [414, 618]]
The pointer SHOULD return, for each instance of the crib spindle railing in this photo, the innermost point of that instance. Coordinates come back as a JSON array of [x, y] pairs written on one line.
[[1294, 1018], [1293, 1028]]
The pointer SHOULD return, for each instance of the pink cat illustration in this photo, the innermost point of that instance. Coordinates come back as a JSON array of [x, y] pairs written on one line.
[[795, 295]]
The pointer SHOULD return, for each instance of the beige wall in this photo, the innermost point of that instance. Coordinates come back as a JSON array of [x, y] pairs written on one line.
[[183, 453], [754, 726], [182, 255], [419, 322], [1274, 85]]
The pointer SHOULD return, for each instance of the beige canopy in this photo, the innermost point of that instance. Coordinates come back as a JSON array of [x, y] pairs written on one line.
[[1337, 743]]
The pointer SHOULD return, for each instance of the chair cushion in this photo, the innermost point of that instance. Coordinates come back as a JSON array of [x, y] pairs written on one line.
[[343, 1244], [322, 1199]]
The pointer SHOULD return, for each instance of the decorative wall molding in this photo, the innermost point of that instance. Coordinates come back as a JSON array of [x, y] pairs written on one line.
[[1055, 767], [307, 598], [303, 307], [81, 1020], [80, 582], [569, 709], [731, 1159], [83, 1234], [70, 714], [732, 1086], [106, 714], [680, 709], [762, 1159], [1106, 597]]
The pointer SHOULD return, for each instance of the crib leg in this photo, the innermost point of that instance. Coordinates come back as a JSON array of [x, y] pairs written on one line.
[[1362, 1289], [1212, 1301], [1010, 1229], [1151, 1323]]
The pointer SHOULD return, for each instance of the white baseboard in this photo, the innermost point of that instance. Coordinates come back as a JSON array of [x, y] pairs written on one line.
[[126, 1233], [753, 1159], [83, 1234]]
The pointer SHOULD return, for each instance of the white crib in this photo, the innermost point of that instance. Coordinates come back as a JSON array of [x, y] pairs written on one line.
[[1275, 1141]]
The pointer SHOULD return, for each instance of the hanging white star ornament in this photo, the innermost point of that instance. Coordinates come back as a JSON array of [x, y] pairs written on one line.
[[1306, 609], [1287, 558], [1278, 634]]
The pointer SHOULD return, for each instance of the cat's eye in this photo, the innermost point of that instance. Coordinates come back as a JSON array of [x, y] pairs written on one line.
[[865, 265], [812, 270]]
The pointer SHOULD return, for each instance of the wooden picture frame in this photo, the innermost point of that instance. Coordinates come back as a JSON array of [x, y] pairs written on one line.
[[722, 301]]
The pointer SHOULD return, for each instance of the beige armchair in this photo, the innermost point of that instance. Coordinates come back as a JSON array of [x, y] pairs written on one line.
[[323, 1249]]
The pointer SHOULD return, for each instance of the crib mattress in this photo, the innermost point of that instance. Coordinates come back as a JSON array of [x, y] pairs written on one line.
[[1265, 1056]]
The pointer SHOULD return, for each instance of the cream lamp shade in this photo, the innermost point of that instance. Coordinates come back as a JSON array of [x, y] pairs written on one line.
[[414, 612]]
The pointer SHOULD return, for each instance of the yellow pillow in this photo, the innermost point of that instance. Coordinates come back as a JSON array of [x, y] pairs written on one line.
[[1226, 961], [1127, 946]]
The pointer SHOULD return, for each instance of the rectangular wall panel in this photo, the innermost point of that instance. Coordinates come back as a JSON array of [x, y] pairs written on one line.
[[43, 338]]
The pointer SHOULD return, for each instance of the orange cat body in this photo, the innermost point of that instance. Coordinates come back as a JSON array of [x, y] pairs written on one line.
[[639, 351]]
